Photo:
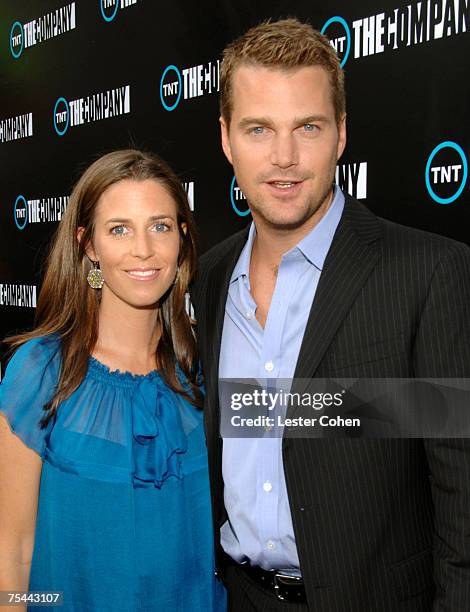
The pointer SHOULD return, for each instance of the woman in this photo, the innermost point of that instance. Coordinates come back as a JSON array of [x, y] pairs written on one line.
[[104, 490]]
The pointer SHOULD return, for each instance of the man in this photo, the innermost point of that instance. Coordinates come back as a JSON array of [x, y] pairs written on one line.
[[320, 287]]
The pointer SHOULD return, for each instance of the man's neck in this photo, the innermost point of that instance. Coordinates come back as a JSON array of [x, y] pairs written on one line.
[[271, 243]]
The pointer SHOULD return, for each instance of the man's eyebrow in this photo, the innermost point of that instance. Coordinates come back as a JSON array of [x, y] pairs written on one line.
[[247, 121], [312, 119]]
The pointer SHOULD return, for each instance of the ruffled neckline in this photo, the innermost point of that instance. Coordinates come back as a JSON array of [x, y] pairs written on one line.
[[104, 371], [158, 438]]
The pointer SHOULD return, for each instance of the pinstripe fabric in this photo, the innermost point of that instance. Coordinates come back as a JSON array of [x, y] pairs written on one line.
[[379, 524]]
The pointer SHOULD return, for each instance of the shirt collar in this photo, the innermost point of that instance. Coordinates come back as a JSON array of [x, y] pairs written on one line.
[[314, 246], [242, 267], [317, 243]]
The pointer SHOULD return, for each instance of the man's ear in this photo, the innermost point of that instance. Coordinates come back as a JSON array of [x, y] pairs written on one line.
[[224, 136], [341, 136], [89, 250]]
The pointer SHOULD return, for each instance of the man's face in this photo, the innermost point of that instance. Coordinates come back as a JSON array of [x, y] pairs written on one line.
[[283, 142]]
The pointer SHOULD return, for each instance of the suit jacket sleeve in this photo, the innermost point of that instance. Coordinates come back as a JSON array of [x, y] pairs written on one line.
[[442, 350]]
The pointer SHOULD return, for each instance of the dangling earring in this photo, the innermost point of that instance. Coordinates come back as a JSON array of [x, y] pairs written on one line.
[[95, 277]]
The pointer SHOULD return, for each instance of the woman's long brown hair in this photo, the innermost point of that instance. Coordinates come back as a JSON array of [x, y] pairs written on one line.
[[68, 307]]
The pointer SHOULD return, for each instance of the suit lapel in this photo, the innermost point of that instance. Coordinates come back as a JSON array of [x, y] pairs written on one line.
[[217, 291], [350, 260], [216, 296]]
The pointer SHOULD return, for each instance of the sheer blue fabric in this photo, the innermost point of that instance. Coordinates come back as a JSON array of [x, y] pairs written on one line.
[[124, 519]]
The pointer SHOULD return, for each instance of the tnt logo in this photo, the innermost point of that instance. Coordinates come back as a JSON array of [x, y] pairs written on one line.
[[20, 212], [339, 34], [16, 39], [237, 198], [171, 87], [109, 9], [61, 116], [446, 172]]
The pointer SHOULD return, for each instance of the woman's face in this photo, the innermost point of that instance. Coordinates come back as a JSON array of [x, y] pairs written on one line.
[[136, 242]]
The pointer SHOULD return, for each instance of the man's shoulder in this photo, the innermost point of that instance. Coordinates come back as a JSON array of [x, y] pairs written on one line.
[[221, 250], [401, 238], [422, 245], [224, 251]]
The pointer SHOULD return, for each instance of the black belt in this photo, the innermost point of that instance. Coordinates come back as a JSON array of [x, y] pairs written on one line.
[[284, 586]]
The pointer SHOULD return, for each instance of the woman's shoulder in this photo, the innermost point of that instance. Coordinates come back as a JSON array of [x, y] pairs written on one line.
[[28, 385], [37, 352], [40, 346], [34, 357]]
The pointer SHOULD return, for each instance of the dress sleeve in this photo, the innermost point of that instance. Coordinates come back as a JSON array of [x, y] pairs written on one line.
[[29, 383]]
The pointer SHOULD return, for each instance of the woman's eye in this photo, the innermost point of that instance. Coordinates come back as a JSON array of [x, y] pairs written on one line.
[[119, 230], [161, 227]]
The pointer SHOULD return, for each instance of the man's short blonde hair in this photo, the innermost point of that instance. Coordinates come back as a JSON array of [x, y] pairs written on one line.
[[286, 44]]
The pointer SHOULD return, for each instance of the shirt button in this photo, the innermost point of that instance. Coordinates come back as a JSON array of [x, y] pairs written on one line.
[[269, 366], [248, 315], [267, 486], [270, 544]]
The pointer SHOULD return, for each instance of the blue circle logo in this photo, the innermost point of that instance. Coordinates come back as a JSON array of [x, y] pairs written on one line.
[[20, 212], [448, 144], [65, 116], [109, 18], [343, 23], [171, 89], [14, 38], [233, 198]]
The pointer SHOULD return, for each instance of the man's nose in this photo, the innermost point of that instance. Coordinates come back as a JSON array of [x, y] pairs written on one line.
[[284, 151]]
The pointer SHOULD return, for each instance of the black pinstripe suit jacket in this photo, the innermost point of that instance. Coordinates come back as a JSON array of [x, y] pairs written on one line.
[[380, 524]]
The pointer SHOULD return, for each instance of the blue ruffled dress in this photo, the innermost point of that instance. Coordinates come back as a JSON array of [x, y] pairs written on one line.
[[124, 518]]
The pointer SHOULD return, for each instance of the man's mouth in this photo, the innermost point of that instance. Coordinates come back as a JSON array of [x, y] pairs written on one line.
[[284, 185]]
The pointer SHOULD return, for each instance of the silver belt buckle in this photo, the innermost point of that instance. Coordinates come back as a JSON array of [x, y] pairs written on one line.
[[288, 581]]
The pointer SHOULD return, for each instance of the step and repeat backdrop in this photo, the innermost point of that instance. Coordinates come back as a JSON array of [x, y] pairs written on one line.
[[79, 79]]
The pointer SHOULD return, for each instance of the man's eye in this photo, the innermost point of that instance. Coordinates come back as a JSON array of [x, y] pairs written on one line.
[[257, 130], [310, 127], [119, 230]]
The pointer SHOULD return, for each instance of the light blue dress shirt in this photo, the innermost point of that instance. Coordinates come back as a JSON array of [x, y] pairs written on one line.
[[260, 528]]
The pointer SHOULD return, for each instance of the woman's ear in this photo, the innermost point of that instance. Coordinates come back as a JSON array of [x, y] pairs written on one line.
[[89, 250], [184, 227]]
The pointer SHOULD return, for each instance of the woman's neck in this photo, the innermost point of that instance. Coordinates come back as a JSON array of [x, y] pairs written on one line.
[[127, 336]]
